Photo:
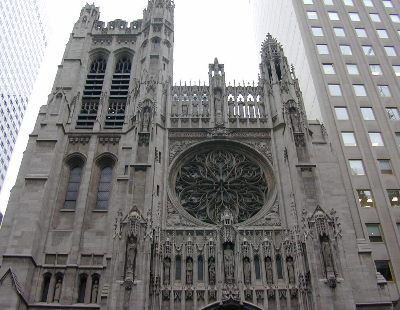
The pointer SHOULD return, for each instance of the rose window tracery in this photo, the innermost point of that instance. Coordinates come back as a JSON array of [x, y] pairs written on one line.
[[219, 180]]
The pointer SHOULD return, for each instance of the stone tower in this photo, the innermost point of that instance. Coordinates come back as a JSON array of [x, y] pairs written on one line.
[[137, 194]]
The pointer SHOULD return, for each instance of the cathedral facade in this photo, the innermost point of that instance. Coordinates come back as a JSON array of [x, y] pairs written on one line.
[[137, 194]]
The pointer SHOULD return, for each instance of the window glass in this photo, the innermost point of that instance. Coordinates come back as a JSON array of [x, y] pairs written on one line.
[[375, 69], [385, 166], [387, 3], [384, 91], [354, 17], [345, 49], [397, 135], [374, 232], [339, 32], [394, 197], [365, 198], [349, 139], [368, 114], [333, 15], [383, 267], [361, 33], [396, 69], [348, 2], [322, 49], [375, 17], [328, 69], [328, 2], [178, 268], [341, 113], [356, 167], [317, 31], [312, 15], [395, 18], [368, 50], [376, 138], [390, 51], [359, 90], [352, 69], [103, 193], [73, 188], [308, 1], [393, 114], [334, 90], [382, 33], [368, 3]]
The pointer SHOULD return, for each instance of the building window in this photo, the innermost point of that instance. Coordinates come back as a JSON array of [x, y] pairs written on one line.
[[308, 1], [200, 268], [376, 138], [339, 32], [317, 31], [361, 33], [396, 69], [103, 192], [356, 167], [382, 33], [322, 49], [385, 166], [73, 188], [345, 50], [354, 17], [375, 69], [368, 50], [257, 267], [328, 68], [178, 268], [359, 90], [352, 69], [374, 232], [390, 51], [334, 90], [365, 198], [384, 268], [397, 135], [82, 287], [384, 91], [387, 3], [368, 114], [279, 268], [349, 139], [394, 197], [393, 114], [312, 15], [328, 2], [341, 113], [368, 3], [333, 15], [395, 18], [375, 17], [45, 287], [348, 2]]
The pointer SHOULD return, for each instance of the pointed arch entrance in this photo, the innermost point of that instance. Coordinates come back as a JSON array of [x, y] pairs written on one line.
[[231, 305]]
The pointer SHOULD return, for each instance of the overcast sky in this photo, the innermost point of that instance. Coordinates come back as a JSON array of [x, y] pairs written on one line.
[[204, 29]]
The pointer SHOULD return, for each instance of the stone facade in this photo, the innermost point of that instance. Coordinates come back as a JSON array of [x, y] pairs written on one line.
[[137, 194]]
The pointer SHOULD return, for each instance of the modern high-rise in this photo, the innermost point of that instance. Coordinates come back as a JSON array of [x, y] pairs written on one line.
[[22, 45], [347, 52]]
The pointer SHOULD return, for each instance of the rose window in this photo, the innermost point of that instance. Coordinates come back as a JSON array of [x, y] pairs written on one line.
[[213, 182]]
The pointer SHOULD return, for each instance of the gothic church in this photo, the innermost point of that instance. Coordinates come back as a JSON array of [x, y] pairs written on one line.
[[137, 194]]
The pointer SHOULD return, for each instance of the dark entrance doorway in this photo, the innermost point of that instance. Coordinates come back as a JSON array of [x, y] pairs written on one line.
[[231, 306]]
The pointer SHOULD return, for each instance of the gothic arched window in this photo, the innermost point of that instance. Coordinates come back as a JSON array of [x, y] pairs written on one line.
[[74, 181], [103, 192], [279, 268], [45, 286], [98, 65], [124, 65], [178, 268], [200, 268], [257, 267], [82, 287]]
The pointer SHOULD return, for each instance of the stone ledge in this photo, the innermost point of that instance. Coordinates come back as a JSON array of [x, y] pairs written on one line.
[[36, 177]]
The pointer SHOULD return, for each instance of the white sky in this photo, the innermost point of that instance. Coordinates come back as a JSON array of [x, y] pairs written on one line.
[[204, 30]]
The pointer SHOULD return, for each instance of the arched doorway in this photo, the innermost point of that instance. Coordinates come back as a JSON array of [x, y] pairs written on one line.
[[231, 305]]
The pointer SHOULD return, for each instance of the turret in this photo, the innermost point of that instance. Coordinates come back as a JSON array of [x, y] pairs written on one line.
[[216, 76], [89, 15]]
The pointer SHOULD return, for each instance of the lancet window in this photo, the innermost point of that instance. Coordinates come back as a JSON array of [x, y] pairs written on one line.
[[104, 190], [45, 286], [74, 182]]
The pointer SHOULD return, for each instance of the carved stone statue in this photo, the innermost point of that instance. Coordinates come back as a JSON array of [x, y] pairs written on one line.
[[205, 109], [229, 265], [189, 271], [211, 271], [146, 119], [195, 109], [295, 120], [261, 109], [185, 108], [57, 290], [231, 106], [131, 251], [290, 270], [174, 109], [246, 270], [95, 291], [167, 271], [268, 270], [327, 254], [218, 107]]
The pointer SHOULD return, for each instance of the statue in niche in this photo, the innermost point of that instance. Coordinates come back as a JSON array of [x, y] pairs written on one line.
[[268, 270], [174, 109], [246, 270], [295, 120], [327, 254], [229, 264], [261, 109], [189, 271], [146, 119], [167, 271], [290, 269], [195, 109], [185, 108], [131, 251], [211, 271], [231, 107], [95, 291], [57, 290], [205, 109], [218, 107]]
